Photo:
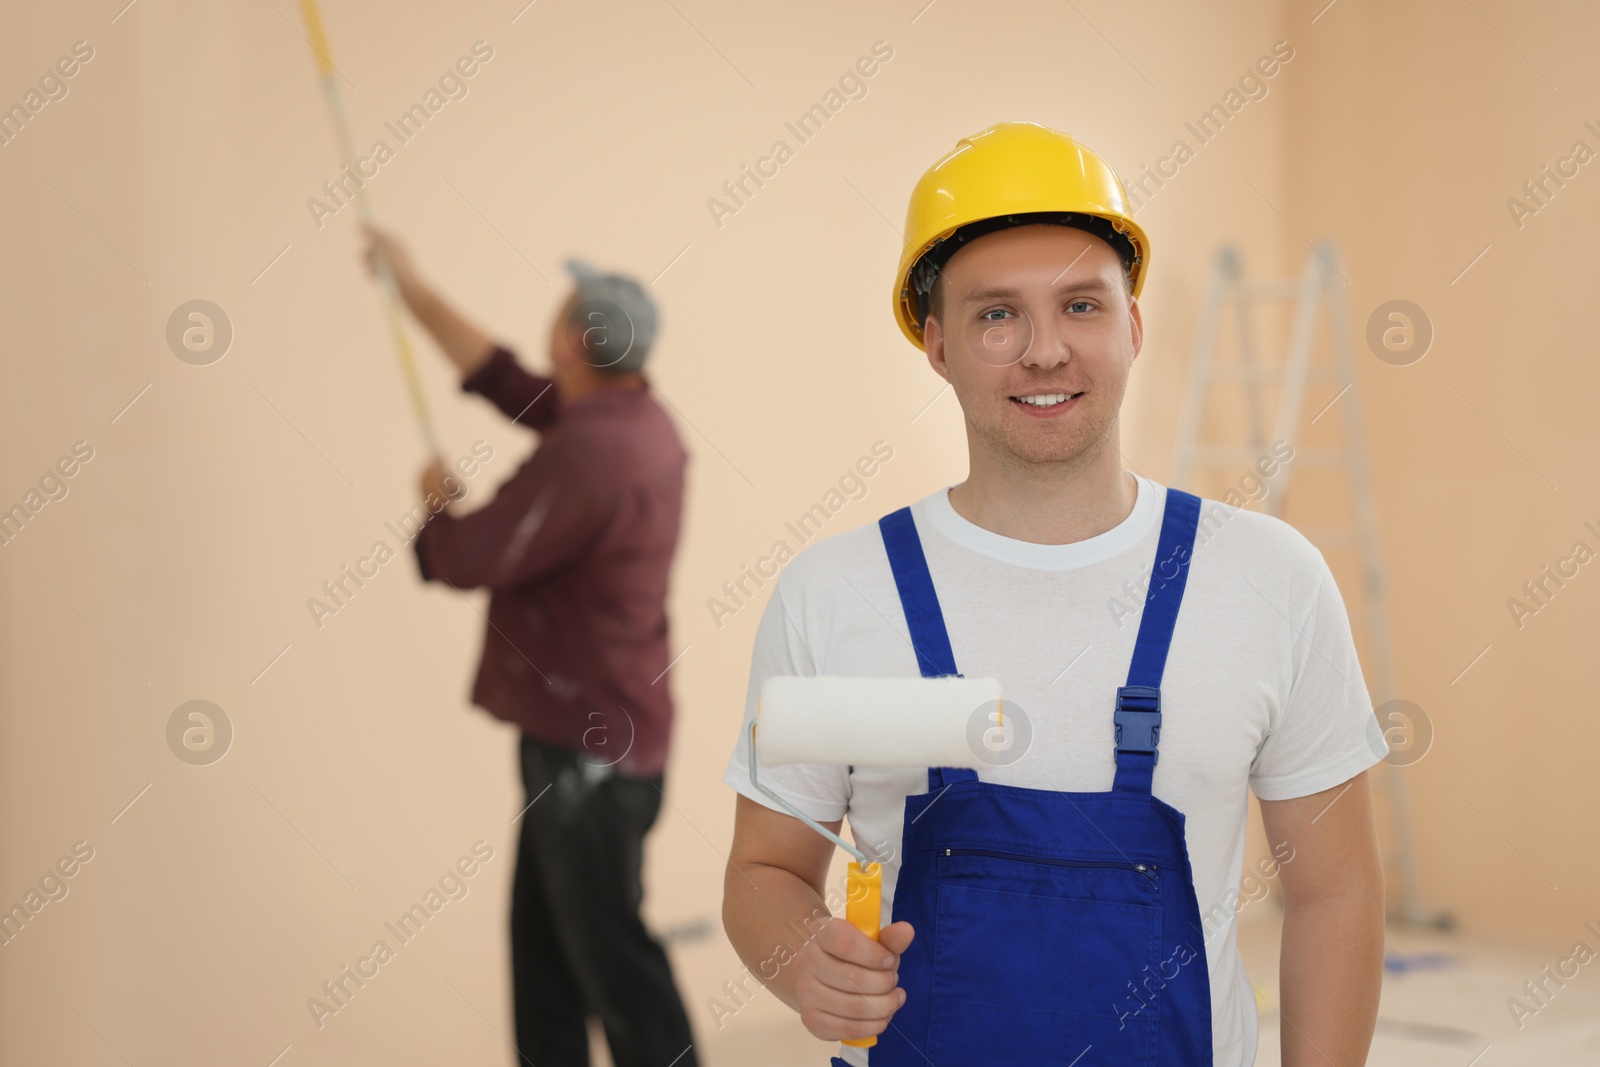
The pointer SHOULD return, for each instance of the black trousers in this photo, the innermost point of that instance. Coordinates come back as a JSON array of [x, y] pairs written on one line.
[[578, 946]]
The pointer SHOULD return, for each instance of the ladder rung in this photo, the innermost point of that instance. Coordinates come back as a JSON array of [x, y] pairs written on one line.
[[1328, 536], [1320, 457], [1240, 373], [1248, 290], [1218, 456], [1236, 372], [1222, 456]]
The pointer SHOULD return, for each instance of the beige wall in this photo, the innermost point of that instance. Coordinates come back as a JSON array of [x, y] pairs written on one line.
[[179, 564], [1416, 125]]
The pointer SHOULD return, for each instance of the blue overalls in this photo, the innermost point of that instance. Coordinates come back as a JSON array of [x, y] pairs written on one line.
[[1052, 928]]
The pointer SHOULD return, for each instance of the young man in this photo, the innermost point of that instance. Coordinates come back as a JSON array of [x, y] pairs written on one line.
[[1074, 902], [575, 547]]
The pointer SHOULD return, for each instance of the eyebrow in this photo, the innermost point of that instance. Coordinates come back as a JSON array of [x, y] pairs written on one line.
[[1092, 285]]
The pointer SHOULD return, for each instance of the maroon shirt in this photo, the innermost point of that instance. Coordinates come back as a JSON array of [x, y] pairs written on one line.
[[575, 547]]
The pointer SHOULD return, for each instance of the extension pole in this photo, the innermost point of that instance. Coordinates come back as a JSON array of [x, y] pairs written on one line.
[[391, 288]]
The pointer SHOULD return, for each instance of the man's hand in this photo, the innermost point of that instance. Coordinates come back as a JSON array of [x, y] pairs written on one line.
[[463, 343], [439, 487], [846, 984], [384, 250]]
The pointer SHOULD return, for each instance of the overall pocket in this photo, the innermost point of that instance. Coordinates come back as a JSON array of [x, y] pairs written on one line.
[[1044, 960]]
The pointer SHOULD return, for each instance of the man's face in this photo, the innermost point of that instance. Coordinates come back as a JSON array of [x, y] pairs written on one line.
[[566, 351], [1032, 310]]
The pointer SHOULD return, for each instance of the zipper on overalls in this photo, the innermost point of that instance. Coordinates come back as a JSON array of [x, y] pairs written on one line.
[[1146, 869]]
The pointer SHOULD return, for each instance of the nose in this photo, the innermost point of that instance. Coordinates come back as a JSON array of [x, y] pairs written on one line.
[[1051, 346]]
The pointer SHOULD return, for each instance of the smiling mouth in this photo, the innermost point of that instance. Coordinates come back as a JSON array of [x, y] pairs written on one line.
[[1046, 401]]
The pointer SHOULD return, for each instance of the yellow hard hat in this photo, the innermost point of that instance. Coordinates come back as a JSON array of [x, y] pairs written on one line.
[[1011, 173]]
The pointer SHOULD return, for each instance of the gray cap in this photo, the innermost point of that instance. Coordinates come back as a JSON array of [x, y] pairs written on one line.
[[616, 316]]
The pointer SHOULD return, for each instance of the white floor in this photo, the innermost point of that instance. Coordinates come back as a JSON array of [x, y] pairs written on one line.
[[1448, 1008], [1444, 1005]]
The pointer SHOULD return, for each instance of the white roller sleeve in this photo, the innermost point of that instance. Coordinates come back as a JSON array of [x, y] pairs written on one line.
[[875, 722]]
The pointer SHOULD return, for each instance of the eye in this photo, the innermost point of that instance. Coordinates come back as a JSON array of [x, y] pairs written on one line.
[[1086, 305], [990, 315]]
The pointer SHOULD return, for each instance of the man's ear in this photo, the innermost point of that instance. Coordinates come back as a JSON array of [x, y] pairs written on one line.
[[933, 341], [1136, 327]]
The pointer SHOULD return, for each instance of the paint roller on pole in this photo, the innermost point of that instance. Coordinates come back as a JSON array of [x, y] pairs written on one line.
[[341, 127], [870, 722]]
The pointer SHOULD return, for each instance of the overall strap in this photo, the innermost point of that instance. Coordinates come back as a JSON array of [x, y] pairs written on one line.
[[1137, 717], [929, 638]]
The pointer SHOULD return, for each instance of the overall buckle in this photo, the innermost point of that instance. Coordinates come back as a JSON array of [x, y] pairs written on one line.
[[1138, 719]]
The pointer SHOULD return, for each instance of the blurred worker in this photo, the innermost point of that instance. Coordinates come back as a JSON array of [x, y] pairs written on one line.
[[575, 548], [1075, 900]]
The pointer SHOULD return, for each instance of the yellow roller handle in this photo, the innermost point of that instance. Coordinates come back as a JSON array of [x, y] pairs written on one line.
[[863, 906], [317, 35]]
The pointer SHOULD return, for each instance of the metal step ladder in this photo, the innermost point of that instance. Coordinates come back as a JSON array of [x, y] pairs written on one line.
[[1321, 284]]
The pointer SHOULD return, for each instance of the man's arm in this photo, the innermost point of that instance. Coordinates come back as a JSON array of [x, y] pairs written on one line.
[[1331, 961], [463, 343], [843, 984], [486, 367]]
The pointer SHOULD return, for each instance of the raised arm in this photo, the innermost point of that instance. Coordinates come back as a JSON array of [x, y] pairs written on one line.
[[462, 343], [1331, 960], [485, 367]]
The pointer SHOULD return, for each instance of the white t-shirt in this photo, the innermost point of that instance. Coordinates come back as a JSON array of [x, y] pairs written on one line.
[[1262, 686]]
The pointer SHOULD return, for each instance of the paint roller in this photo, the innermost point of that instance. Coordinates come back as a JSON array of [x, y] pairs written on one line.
[[870, 722]]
